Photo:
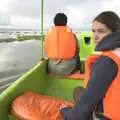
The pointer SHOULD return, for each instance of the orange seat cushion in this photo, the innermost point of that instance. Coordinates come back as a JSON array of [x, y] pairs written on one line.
[[33, 106]]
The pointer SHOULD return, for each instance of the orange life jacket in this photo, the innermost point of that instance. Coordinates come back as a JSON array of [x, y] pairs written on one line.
[[60, 43], [111, 101]]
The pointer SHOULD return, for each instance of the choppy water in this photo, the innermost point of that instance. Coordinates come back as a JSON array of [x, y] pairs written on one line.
[[16, 58]]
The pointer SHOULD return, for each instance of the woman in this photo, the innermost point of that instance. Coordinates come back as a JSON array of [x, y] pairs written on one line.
[[99, 95]]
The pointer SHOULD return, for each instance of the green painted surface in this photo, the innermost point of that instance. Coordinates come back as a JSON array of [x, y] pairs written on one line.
[[86, 47], [61, 87]]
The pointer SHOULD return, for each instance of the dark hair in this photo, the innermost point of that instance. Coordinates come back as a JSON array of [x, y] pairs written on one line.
[[60, 19], [110, 19]]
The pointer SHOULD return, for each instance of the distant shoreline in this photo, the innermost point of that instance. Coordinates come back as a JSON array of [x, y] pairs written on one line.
[[22, 38]]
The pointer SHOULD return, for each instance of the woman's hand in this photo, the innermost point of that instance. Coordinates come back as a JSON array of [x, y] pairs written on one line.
[[63, 106]]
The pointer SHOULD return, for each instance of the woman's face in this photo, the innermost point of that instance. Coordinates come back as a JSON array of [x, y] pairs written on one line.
[[99, 30]]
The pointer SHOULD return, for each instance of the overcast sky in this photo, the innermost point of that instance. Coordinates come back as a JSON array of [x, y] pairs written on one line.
[[26, 13]]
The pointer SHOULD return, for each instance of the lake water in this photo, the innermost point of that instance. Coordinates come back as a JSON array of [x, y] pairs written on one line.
[[16, 58]]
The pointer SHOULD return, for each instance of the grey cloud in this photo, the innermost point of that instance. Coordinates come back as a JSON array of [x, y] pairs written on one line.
[[5, 20], [90, 9], [28, 8], [31, 9]]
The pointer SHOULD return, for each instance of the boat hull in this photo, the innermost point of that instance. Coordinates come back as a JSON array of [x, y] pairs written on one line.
[[37, 80]]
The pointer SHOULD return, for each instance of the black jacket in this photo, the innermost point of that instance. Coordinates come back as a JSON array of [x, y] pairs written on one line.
[[103, 72]]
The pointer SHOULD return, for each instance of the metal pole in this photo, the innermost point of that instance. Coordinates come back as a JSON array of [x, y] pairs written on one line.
[[42, 36]]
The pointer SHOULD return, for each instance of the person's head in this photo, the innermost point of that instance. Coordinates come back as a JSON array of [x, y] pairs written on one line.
[[60, 19], [104, 24]]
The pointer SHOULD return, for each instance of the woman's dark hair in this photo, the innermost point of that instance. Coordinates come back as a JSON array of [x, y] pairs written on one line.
[[110, 19], [60, 19]]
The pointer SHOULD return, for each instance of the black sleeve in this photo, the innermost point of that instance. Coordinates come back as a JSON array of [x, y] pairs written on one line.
[[103, 72]]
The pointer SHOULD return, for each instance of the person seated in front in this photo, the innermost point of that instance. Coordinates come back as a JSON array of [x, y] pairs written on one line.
[[60, 47]]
